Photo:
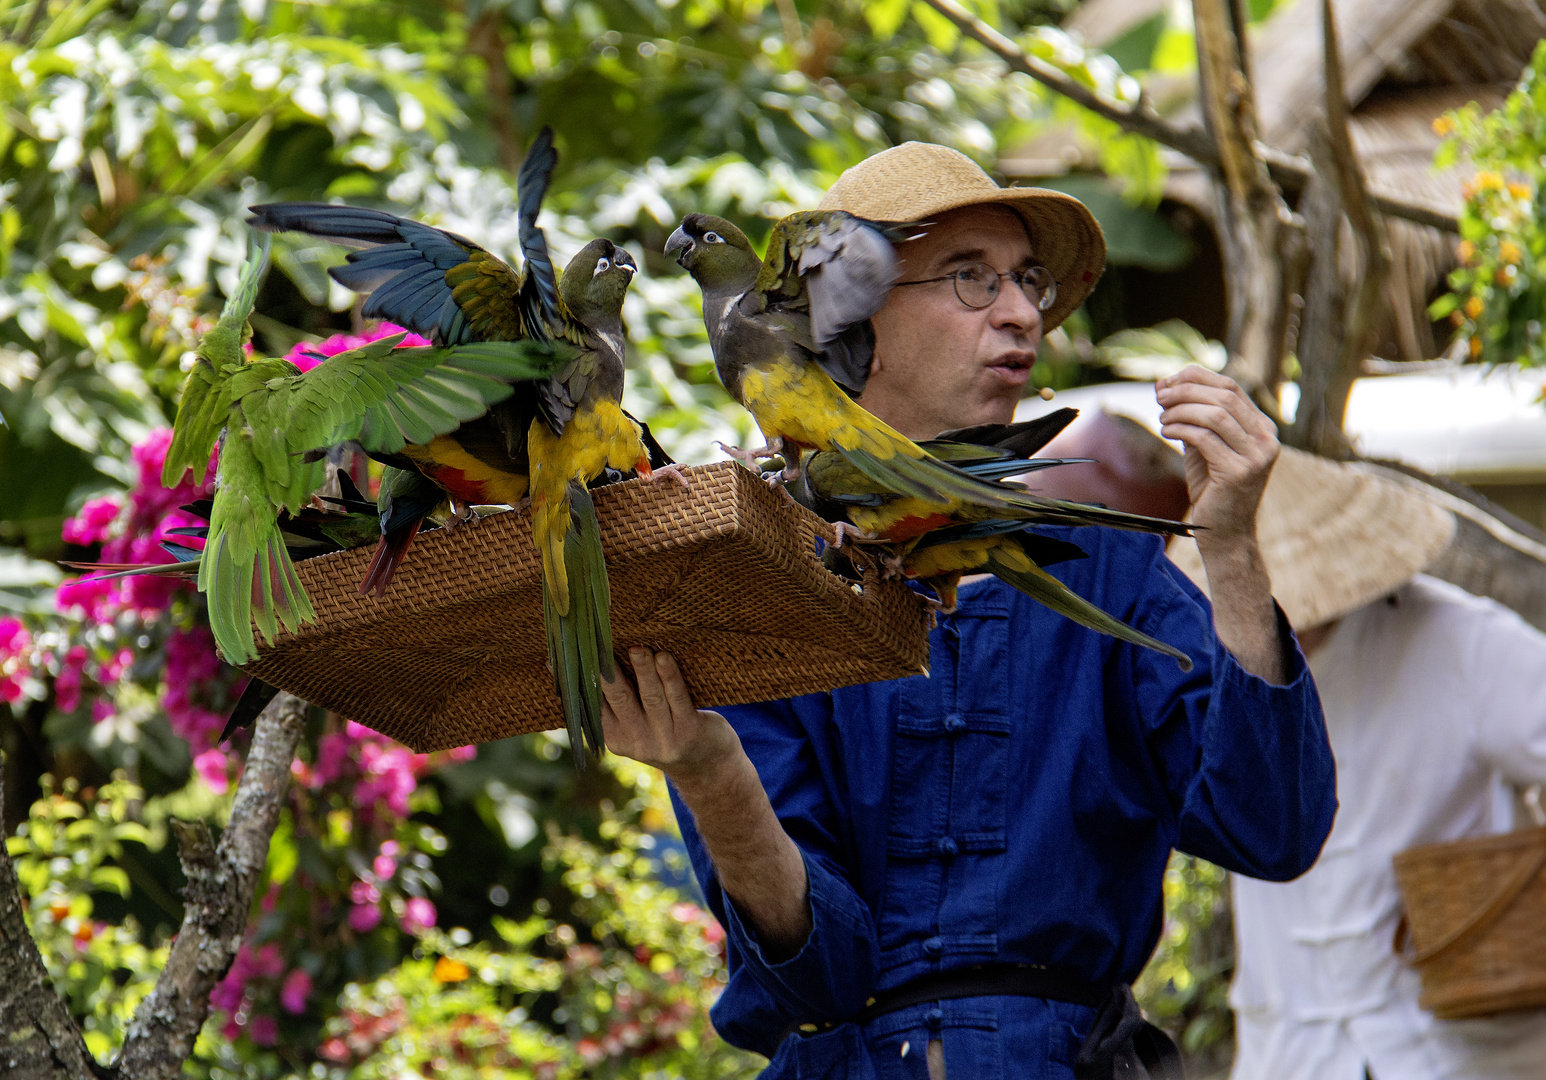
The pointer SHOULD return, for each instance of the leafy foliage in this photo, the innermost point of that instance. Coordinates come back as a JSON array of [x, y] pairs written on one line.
[[1499, 290]]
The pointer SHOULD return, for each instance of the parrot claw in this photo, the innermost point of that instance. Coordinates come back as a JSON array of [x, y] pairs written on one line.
[[461, 514], [892, 568], [670, 472]]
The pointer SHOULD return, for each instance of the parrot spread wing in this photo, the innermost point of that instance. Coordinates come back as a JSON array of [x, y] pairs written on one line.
[[206, 401], [431, 281], [827, 273]]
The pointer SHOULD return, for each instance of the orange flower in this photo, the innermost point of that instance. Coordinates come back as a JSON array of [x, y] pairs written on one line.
[[1456, 319], [450, 971], [1443, 125], [1509, 252], [1465, 251], [1476, 348], [1488, 180], [1519, 190], [1474, 307]]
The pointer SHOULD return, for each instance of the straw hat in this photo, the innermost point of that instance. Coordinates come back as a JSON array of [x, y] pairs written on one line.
[[1335, 537], [916, 181]]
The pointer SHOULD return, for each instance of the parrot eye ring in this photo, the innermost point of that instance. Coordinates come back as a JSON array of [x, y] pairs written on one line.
[[977, 285], [603, 264], [713, 238]]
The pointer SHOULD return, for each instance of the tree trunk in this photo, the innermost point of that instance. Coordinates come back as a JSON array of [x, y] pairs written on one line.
[[39, 1039]]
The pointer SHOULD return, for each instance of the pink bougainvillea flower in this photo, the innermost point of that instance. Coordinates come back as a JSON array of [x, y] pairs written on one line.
[[101, 709], [363, 892], [418, 915], [363, 918], [384, 866], [212, 767], [263, 1029], [295, 991], [91, 525], [307, 355]]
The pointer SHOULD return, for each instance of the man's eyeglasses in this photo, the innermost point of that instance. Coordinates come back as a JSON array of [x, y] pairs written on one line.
[[977, 284]]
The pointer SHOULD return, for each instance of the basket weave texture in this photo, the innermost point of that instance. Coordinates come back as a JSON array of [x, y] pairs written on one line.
[[725, 576], [1476, 909]]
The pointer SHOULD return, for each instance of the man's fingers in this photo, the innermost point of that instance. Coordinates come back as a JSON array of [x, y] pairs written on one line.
[[1231, 398], [618, 698], [652, 695], [1204, 440], [1216, 419], [675, 686]]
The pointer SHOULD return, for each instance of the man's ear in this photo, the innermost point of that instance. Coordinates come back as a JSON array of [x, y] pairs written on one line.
[[875, 364]]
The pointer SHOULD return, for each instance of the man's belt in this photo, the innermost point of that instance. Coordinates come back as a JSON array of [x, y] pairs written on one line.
[[1120, 1040]]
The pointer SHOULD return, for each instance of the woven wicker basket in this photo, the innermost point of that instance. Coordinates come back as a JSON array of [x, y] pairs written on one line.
[[1476, 912], [724, 575]]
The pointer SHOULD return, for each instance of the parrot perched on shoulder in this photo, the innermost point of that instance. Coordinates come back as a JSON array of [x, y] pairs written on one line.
[[269, 417], [790, 334]]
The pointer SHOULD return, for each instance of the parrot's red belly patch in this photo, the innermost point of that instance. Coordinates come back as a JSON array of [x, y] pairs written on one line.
[[458, 485], [908, 528]]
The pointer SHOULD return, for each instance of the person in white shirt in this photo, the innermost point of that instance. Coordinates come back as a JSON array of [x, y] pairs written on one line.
[[1435, 703]]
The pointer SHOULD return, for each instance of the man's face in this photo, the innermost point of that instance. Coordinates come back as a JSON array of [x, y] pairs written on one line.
[[938, 363]]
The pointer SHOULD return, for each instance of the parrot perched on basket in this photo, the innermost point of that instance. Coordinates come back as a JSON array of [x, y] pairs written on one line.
[[549, 441], [1007, 549], [791, 334], [269, 417]]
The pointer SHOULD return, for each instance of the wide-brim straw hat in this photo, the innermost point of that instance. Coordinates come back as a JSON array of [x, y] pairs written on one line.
[[916, 181], [1335, 536]]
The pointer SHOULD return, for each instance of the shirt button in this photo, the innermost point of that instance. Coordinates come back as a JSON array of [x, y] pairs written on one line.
[[933, 946], [954, 723], [948, 848]]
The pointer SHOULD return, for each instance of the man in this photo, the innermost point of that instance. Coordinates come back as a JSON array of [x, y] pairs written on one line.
[[1433, 699], [988, 843]]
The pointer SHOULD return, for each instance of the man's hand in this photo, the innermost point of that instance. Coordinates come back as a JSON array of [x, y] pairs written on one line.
[[758, 865], [660, 726], [1230, 449]]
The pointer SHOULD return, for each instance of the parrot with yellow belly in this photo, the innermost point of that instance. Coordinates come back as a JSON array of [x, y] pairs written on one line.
[[792, 341]]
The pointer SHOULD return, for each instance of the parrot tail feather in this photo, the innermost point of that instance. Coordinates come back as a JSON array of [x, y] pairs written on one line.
[[390, 553], [1014, 568], [580, 640]]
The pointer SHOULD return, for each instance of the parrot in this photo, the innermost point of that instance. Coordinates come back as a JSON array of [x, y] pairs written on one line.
[[452, 291], [1007, 549], [269, 418], [792, 341], [551, 440], [580, 434]]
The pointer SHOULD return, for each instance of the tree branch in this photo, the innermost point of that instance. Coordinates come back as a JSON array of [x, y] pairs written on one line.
[[1288, 171], [38, 1036], [218, 897]]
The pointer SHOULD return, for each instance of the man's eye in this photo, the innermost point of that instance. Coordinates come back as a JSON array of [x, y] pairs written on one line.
[[971, 273]]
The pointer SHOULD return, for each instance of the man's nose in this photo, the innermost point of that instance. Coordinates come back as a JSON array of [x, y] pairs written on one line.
[[1012, 310]]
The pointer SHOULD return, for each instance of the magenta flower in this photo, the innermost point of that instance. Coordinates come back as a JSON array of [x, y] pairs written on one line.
[[307, 355], [384, 866], [363, 918], [263, 1029], [90, 526], [295, 991], [211, 766], [418, 915]]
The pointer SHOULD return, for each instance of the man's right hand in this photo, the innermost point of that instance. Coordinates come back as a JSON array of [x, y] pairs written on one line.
[[657, 723], [758, 865]]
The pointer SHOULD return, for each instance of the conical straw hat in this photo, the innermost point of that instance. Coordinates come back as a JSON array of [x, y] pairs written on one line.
[[916, 181], [1335, 537]]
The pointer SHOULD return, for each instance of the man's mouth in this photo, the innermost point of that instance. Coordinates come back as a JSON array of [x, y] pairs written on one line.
[[1013, 368]]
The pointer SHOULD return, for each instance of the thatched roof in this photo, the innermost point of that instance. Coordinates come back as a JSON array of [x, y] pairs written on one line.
[[1406, 62]]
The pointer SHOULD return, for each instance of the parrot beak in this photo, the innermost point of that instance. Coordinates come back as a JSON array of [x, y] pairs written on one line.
[[679, 241]]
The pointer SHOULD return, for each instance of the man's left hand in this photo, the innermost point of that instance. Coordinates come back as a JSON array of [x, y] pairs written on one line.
[[1230, 448]]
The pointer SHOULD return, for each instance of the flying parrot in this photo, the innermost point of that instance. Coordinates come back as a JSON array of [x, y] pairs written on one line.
[[791, 334], [269, 417], [1007, 549]]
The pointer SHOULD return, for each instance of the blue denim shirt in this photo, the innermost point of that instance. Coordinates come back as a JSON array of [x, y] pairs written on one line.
[[1018, 805]]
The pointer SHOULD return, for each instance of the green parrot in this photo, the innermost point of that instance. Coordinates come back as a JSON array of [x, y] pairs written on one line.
[[791, 334], [269, 419]]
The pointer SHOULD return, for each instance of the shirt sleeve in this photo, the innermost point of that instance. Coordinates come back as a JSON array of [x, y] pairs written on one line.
[[1508, 664], [831, 976], [1247, 764]]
